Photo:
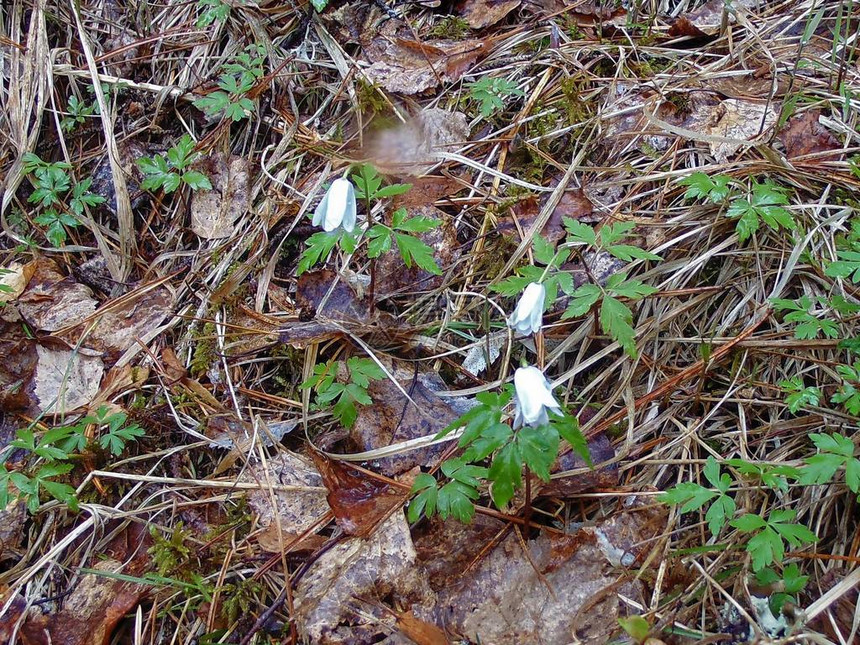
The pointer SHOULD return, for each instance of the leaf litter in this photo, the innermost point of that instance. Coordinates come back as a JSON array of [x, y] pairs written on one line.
[[189, 319]]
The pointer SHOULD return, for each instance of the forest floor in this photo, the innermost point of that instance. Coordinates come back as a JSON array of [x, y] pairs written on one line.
[[220, 423]]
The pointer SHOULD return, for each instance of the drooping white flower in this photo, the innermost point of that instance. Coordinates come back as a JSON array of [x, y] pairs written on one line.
[[337, 207], [528, 315], [534, 397]]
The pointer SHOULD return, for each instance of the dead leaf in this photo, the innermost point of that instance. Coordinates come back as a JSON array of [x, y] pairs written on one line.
[[573, 204], [447, 549], [483, 13], [707, 19], [297, 511], [358, 500], [429, 189], [739, 120], [119, 325], [336, 601], [573, 594], [52, 300], [393, 418], [804, 135], [488, 347], [601, 450], [96, 603], [423, 633], [413, 148], [65, 379], [14, 279], [215, 212], [400, 64], [837, 622], [12, 523], [393, 277]]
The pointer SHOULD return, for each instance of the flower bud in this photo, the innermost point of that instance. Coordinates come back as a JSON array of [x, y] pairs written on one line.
[[534, 397], [337, 208], [528, 315]]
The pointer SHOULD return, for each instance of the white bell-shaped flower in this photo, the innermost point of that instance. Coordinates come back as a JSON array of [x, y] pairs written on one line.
[[337, 208], [534, 397], [528, 315]]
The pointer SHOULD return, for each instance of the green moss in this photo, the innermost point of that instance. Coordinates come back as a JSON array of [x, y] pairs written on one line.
[[370, 98], [450, 28], [204, 350]]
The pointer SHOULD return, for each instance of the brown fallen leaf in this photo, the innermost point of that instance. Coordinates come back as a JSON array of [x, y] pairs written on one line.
[[429, 189], [215, 212], [52, 300], [400, 64], [838, 620], [297, 511], [337, 600], [14, 279], [567, 589], [707, 19], [601, 450], [804, 135], [359, 501], [484, 13], [423, 633], [393, 418], [94, 606], [573, 204], [739, 120]]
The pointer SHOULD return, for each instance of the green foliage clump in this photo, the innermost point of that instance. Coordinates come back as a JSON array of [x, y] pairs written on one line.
[[169, 173], [489, 93], [60, 200], [237, 79], [347, 395]]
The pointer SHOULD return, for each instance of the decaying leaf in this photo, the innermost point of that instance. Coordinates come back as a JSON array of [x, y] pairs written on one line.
[[572, 596], [707, 19], [53, 301], [489, 347], [739, 120], [804, 135], [65, 379], [393, 418], [573, 204], [484, 13], [15, 278], [400, 64], [12, 524], [358, 500], [600, 449], [297, 511], [214, 212], [337, 600], [96, 603], [412, 148], [430, 188]]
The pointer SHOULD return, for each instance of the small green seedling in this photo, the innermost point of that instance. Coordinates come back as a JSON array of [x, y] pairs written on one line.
[[169, 173], [490, 93]]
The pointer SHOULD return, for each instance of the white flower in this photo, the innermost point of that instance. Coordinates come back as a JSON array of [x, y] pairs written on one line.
[[534, 397], [528, 316], [337, 207]]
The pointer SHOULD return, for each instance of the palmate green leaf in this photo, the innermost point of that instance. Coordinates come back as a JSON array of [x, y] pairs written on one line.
[[836, 443], [688, 495], [463, 472], [196, 180], [56, 234], [720, 511], [418, 224], [568, 428], [345, 411], [379, 237], [582, 300], [619, 285], [213, 103], [366, 181], [455, 500], [395, 189], [364, 370], [506, 473], [319, 245], [543, 250], [765, 548], [512, 285], [748, 522], [848, 396], [616, 319], [414, 251], [427, 496], [847, 266], [539, 448], [579, 233], [701, 186], [487, 441], [628, 252]]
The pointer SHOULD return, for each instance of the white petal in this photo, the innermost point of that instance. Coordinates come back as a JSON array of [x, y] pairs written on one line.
[[530, 386], [349, 213], [319, 213], [527, 317], [337, 198]]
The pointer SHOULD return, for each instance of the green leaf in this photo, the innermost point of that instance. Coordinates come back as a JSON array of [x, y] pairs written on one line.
[[539, 448], [414, 251], [319, 5], [748, 522], [582, 300], [719, 513], [579, 232], [616, 319], [196, 180], [689, 495], [455, 500], [628, 252], [544, 252], [506, 474], [568, 428], [636, 627], [396, 189], [319, 245]]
